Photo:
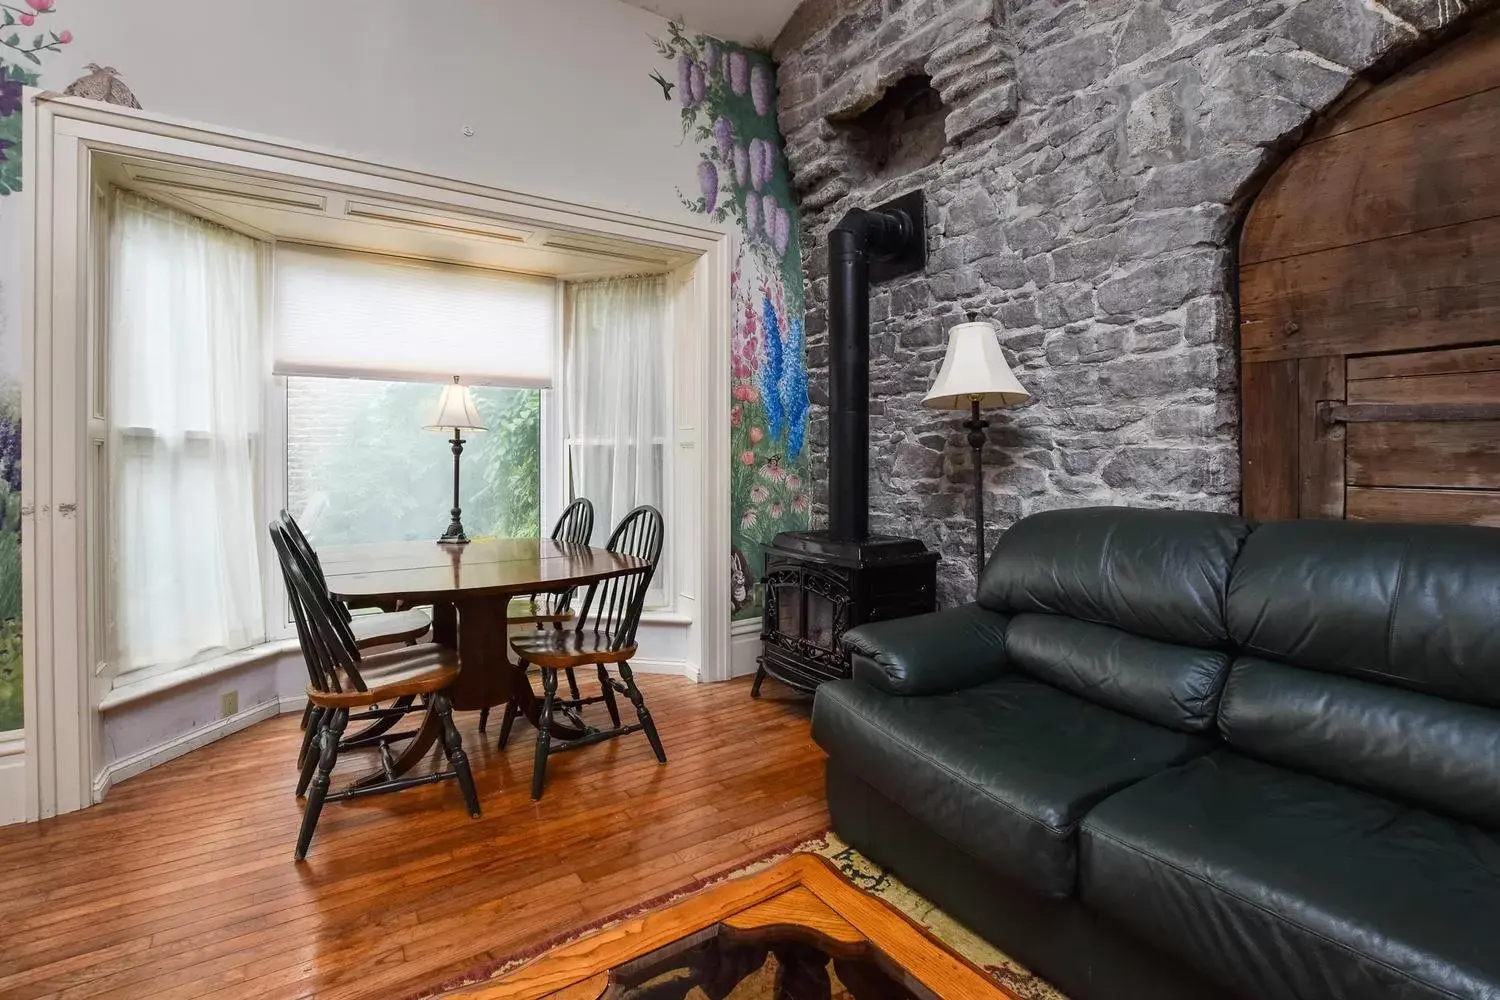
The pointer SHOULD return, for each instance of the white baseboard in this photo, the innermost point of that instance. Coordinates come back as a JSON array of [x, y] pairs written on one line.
[[744, 651], [12, 789], [142, 761], [678, 668]]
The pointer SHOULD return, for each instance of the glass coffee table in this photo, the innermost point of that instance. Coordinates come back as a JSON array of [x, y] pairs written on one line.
[[796, 931]]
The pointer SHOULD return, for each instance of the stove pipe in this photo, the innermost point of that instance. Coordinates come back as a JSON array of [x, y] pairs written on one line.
[[883, 234]]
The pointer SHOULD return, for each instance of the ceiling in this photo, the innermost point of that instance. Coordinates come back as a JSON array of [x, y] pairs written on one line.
[[275, 209], [749, 22]]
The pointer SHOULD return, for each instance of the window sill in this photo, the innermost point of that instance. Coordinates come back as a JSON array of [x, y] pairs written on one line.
[[12, 744], [127, 691], [665, 618]]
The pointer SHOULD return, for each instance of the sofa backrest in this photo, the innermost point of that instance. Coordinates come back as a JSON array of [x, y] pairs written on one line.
[[1121, 606], [1372, 656]]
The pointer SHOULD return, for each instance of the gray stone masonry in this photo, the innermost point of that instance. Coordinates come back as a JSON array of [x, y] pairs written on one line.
[[1099, 156]]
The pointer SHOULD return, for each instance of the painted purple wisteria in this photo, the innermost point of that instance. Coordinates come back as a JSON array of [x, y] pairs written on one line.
[[727, 96]]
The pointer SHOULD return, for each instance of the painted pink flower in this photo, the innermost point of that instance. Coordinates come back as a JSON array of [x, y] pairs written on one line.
[[749, 518], [799, 502], [757, 435], [65, 37], [42, 6], [776, 509], [27, 20], [772, 470], [747, 458], [758, 493], [793, 481], [735, 416]]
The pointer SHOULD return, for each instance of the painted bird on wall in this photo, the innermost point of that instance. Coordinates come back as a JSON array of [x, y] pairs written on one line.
[[103, 83], [665, 84]]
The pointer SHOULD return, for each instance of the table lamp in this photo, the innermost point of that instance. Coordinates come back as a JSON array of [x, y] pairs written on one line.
[[456, 412], [974, 375]]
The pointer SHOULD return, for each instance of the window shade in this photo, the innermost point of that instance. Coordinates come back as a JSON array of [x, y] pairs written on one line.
[[369, 316]]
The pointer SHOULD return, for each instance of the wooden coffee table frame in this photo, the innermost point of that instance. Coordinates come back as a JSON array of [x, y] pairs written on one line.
[[802, 896]]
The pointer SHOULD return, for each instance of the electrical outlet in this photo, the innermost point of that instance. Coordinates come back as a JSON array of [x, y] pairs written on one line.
[[229, 704]]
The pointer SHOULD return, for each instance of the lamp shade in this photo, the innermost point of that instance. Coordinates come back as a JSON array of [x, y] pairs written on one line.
[[974, 368], [456, 410]]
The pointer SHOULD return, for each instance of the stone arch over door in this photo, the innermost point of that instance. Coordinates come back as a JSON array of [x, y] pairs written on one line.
[[1370, 305]]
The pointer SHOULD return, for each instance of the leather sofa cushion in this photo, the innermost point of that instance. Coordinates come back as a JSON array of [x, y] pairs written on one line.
[[1170, 685], [1285, 885], [929, 654], [1004, 770], [1415, 747], [1406, 604], [1157, 573]]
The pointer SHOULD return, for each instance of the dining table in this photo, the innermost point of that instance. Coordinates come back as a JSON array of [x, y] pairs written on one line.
[[469, 588]]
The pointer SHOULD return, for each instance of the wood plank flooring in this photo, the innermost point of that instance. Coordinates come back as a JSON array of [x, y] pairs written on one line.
[[182, 883]]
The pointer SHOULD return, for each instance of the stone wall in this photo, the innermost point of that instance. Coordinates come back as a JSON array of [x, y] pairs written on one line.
[[1093, 161]]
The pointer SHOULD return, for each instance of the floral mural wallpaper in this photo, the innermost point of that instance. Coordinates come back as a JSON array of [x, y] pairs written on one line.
[[726, 94], [27, 37]]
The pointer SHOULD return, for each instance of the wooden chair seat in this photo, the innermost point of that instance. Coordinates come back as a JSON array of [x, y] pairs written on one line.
[[416, 670], [535, 610], [556, 650], [389, 628]]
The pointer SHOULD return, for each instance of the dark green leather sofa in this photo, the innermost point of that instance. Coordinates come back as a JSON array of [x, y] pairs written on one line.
[[1168, 754]]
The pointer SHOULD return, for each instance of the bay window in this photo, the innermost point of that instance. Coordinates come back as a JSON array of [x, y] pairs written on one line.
[[245, 376], [184, 438]]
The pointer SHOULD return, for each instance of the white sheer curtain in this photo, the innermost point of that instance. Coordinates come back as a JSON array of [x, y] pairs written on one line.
[[184, 367], [618, 402]]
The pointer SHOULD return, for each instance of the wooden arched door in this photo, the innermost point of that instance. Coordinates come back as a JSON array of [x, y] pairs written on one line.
[[1370, 305]]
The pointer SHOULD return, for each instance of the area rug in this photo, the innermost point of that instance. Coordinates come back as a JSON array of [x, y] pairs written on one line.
[[859, 870]]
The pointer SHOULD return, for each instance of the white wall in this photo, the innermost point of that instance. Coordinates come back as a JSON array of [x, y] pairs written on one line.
[[557, 93]]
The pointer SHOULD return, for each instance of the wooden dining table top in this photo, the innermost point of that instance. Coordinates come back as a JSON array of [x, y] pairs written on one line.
[[425, 571]]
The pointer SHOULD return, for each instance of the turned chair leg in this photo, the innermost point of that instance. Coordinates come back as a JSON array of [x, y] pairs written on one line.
[[453, 746], [573, 685], [313, 754], [636, 699], [606, 684], [511, 711], [543, 732], [332, 732], [307, 714], [484, 717], [310, 727]]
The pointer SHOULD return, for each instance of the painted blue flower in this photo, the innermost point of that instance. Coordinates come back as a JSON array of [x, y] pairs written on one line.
[[771, 364], [794, 401]]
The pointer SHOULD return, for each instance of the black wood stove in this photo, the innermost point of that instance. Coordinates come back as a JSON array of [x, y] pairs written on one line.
[[820, 584]]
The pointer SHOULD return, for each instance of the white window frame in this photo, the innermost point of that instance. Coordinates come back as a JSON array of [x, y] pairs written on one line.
[[63, 730]]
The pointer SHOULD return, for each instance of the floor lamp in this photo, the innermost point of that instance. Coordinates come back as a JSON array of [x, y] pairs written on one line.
[[457, 413], [975, 376]]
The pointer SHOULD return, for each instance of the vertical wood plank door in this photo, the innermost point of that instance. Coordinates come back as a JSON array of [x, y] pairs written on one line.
[[1370, 305]]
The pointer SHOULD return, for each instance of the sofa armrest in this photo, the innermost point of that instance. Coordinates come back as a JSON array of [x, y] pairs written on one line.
[[930, 654]]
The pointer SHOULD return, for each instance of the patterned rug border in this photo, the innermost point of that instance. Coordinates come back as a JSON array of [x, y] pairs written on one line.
[[489, 970]]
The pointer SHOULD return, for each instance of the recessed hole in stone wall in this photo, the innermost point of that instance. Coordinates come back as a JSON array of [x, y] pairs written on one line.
[[901, 132]]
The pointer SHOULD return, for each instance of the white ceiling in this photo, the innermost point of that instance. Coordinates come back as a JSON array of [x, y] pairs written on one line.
[[748, 22]]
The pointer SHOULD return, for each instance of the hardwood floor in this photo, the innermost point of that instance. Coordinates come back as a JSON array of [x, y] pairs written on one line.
[[182, 883]]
